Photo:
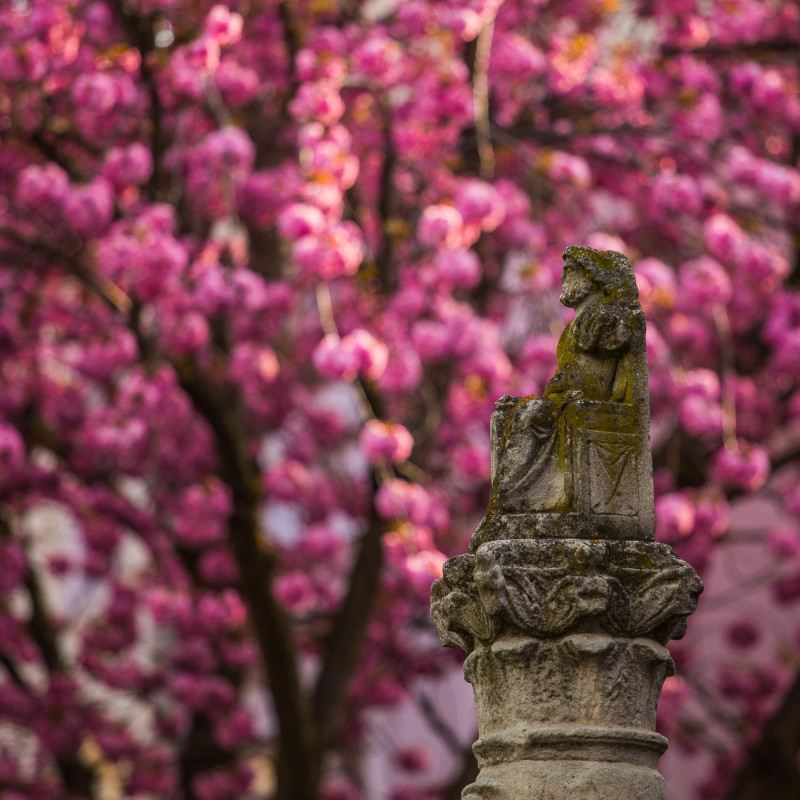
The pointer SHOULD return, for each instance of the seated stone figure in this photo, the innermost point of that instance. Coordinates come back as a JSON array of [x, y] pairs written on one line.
[[582, 446]]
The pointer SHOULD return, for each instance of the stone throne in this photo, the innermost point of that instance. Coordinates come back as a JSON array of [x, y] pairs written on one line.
[[576, 461], [564, 602]]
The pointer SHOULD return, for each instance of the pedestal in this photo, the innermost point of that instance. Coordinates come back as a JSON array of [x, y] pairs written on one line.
[[566, 658]]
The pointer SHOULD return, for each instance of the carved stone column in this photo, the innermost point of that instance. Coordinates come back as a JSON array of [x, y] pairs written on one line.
[[564, 611]]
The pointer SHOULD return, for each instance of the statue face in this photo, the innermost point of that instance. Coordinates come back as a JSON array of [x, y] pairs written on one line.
[[576, 286]]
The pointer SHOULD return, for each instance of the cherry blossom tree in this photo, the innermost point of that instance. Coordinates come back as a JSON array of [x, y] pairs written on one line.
[[264, 269]]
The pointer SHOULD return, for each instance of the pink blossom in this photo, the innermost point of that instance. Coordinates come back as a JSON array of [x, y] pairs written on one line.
[[217, 567], [237, 84], [745, 466], [379, 59], [702, 383], [472, 460], [212, 291], [43, 189], [295, 591], [318, 101], [372, 354], [184, 333], [412, 759], [674, 191], [328, 197], [334, 360], [203, 510], [738, 21], [570, 60], [755, 409], [421, 569], [656, 283], [219, 612], [224, 25], [458, 268], [234, 729], [569, 169], [290, 480], [201, 692], [202, 55], [704, 282], [300, 219], [432, 339], [222, 784], [332, 253], [724, 239], [320, 542], [12, 450], [621, 85], [464, 22], [480, 203], [327, 161], [403, 371], [601, 240], [702, 120], [537, 357], [13, 565], [125, 166], [400, 500], [700, 416], [786, 589], [249, 361], [692, 334], [674, 516], [339, 789], [440, 226], [262, 194], [515, 58], [228, 150], [784, 543], [743, 633], [711, 515], [88, 209], [778, 182], [764, 265], [138, 337], [383, 441], [96, 90]]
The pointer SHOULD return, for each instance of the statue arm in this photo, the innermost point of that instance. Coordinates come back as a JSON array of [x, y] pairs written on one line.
[[604, 328]]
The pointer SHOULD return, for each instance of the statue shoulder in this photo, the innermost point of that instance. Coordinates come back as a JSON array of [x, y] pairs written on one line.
[[607, 327]]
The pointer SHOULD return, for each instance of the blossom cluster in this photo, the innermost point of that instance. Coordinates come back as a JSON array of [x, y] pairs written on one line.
[[264, 269]]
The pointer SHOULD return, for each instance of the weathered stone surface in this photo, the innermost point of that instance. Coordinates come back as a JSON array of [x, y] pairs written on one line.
[[567, 780], [564, 601], [583, 447], [548, 587], [527, 685]]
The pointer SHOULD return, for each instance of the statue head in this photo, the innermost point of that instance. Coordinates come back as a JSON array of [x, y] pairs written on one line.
[[604, 272]]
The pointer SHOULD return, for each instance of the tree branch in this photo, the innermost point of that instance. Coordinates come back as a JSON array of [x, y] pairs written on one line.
[[139, 31], [299, 753], [385, 207], [349, 631]]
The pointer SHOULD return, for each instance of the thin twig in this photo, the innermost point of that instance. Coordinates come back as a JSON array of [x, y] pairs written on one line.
[[727, 355], [480, 99]]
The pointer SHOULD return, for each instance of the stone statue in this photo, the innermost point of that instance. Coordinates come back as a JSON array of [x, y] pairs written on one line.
[[582, 448], [564, 602]]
